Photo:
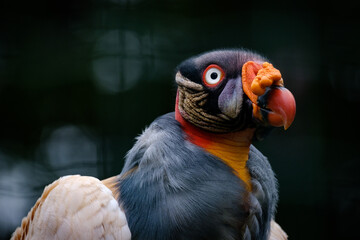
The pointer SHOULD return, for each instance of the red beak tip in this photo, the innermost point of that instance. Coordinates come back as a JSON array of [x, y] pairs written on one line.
[[282, 103], [286, 126]]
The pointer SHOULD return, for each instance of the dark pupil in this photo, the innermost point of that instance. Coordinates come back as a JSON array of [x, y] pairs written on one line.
[[213, 75]]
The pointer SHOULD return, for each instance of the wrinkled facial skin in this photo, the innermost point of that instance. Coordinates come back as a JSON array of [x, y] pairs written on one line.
[[230, 80], [227, 97]]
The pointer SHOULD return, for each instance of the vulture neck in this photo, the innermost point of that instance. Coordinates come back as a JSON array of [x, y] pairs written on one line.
[[232, 148]]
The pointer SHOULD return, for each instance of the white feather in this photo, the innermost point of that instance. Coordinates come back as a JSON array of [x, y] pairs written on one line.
[[75, 207]]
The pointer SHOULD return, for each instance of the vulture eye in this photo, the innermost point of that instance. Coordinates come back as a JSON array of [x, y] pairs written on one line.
[[213, 75]]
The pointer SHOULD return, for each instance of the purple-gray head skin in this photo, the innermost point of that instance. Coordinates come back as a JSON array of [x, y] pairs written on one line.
[[238, 88]]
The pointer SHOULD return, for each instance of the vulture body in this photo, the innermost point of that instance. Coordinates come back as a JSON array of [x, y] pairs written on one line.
[[193, 173]]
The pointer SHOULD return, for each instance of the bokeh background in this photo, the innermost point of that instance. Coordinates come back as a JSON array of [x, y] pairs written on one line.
[[80, 79]]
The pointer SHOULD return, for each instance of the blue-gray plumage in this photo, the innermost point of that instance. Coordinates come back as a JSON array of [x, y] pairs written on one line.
[[179, 191], [194, 174]]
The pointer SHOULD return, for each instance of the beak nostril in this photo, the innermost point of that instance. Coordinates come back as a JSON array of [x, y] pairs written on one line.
[[249, 72]]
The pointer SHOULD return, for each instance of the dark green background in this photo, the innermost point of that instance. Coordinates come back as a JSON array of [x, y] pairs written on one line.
[[79, 80]]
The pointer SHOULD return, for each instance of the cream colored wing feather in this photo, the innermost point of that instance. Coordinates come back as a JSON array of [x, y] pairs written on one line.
[[276, 232], [75, 207]]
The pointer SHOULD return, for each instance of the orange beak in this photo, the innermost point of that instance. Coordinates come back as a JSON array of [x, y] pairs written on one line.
[[272, 103]]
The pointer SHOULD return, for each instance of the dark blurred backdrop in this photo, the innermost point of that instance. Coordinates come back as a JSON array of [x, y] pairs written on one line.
[[80, 79]]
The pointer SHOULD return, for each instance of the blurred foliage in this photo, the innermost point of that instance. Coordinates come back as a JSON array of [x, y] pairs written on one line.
[[79, 80]]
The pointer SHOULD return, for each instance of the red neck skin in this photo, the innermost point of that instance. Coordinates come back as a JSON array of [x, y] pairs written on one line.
[[232, 148]]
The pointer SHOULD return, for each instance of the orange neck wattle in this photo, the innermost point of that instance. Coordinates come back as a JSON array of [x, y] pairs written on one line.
[[232, 148]]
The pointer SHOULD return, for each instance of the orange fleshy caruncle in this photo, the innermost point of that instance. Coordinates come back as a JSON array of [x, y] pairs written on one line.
[[257, 77], [280, 107], [266, 76]]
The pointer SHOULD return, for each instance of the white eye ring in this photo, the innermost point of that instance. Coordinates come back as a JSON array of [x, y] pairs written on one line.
[[213, 74]]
